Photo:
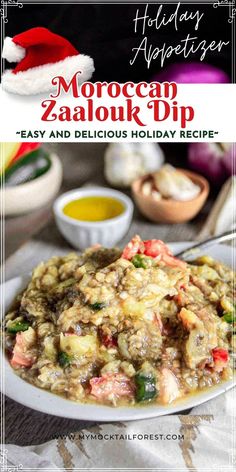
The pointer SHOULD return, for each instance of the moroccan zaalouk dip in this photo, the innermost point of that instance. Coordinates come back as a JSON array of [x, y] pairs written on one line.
[[121, 328]]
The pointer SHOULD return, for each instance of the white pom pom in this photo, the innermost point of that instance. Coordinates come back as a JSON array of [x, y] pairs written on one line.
[[11, 51]]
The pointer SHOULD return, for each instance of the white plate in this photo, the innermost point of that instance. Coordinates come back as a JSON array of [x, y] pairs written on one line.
[[46, 402]]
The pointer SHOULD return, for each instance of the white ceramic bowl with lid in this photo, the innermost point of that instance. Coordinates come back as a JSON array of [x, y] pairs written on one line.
[[82, 234]]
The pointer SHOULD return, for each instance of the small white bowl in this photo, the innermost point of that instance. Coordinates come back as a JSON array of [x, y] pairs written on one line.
[[82, 234]]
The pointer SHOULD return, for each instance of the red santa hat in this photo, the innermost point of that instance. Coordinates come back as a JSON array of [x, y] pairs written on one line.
[[42, 55]]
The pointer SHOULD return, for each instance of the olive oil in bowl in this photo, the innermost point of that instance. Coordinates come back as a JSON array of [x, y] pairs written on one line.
[[88, 216], [94, 208]]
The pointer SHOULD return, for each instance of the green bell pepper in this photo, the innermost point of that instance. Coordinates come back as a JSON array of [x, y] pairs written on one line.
[[228, 317], [64, 359], [29, 167], [97, 306], [145, 387], [140, 261], [18, 326]]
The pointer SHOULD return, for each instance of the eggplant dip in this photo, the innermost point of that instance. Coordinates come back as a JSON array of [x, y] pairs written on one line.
[[121, 328]]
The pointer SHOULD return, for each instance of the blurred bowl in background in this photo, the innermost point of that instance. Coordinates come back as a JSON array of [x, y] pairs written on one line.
[[192, 73], [169, 210], [82, 234], [24, 198]]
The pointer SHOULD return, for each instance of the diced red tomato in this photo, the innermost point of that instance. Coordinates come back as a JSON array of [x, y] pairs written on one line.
[[173, 261], [183, 287], [108, 340], [20, 358], [135, 246], [220, 354], [169, 387], [111, 386], [155, 247], [220, 358]]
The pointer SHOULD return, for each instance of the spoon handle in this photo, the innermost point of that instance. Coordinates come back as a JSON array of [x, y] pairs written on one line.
[[192, 251]]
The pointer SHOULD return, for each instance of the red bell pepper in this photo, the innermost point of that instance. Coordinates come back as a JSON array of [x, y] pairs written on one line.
[[220, 358], [135, 246], [25, 148], [154, 248], [108, 340], [111, 386]]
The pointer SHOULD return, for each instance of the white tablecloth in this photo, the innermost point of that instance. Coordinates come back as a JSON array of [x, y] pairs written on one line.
[[202, 441]]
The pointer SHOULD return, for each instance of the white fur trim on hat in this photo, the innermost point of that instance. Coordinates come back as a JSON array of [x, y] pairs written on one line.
[[39, 79], [12, 51]]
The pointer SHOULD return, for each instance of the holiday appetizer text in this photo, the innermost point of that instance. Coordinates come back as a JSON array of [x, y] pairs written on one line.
[[190, 45]]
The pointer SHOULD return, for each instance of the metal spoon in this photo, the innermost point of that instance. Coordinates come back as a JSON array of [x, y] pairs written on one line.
[[193, 251]]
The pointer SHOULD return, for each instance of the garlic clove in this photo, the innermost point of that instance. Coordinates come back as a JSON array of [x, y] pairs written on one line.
[[172, 183], [156, 195], [125, 162], [122, 164], [152, 156], [147, 188]]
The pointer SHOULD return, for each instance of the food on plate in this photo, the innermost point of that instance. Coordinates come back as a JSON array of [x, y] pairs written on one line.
[[169, 182], [128, 327]]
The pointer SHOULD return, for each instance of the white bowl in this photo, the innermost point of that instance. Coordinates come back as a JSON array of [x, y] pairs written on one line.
[[27, 197], [82, 234]]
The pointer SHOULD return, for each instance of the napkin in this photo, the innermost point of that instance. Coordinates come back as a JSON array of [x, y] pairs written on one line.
[[200, 441], [223, 213]]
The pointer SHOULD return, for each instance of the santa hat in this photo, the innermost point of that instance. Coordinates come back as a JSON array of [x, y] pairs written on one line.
[[42, 55]]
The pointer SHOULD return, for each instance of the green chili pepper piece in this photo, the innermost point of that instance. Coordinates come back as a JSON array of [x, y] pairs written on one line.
[[97, 306], [145, 387], [64, 359], [228, 317], [18, 326], [139, 261], [29, 167]]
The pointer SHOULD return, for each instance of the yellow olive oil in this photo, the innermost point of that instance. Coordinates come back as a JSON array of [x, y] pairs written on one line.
[[94, 208]]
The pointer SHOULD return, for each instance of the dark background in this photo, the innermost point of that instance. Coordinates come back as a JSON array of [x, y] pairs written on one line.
[[106, 33]]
